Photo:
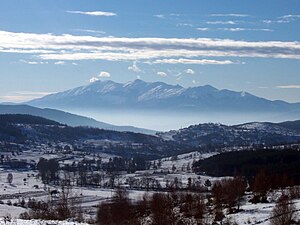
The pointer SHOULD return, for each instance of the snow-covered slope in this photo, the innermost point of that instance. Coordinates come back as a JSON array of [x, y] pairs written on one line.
[[255, 133], [158, 95]]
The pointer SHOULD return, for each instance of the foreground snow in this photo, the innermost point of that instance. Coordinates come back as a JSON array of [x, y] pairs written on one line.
[[259, 213], [37, 222]]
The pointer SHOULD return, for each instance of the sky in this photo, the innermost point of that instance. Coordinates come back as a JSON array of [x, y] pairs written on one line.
[[49, 46]]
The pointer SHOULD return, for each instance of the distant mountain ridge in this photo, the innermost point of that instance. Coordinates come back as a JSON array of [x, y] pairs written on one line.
[[66, 118], [31, 132], [143, 95], [248, 134]]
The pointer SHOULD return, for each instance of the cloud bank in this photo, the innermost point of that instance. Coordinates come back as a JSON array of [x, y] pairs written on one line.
[[154, 50]]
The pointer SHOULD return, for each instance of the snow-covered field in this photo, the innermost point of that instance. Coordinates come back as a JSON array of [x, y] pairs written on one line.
[[27, 185], [259, 213], [23, 186], [37, 222], [19, 189]]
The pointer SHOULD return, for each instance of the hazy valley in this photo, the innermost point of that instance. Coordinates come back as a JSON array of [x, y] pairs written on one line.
[[160, 106]]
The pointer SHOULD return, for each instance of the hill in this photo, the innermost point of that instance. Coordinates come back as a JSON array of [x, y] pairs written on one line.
[[35, 133], [211, 135], [66, 118], [25, 119]]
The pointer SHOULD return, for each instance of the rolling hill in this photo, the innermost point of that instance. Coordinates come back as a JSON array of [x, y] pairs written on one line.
[[66, 118]]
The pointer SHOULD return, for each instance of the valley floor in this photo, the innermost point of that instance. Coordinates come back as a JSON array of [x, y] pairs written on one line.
[[27, 185]]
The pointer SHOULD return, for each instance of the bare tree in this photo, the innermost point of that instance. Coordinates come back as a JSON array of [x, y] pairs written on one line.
[[229, 193], [162, 209], [118, 212], [284, 212], [63, 205]]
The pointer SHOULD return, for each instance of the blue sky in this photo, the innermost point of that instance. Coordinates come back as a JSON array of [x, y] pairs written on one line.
[[49, 46]]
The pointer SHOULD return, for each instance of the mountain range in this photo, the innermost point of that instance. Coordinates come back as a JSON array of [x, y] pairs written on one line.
[[141, 95], [67, 118]]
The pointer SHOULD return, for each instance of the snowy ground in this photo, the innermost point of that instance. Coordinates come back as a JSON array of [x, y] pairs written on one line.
[[183, 160], [37, 222], [26, 185], [22, 187], [256, 213], [11, 211]]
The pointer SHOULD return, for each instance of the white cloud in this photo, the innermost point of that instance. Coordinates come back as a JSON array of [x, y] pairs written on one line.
[[192, 61], [104, 74], [59, 63], [230, 22], [94, 13], [289, 16], [134, 68], [160, 16], [229, 15], [236, 29], [91, 31], [71, 47], [25, 51], [282, 19], [30, 62], [289, 87], [184, 25], [33, 62], [162, 74], [94, 79], [277, 21], [138, 77], [189, 71], [267, 21], [203, 28]]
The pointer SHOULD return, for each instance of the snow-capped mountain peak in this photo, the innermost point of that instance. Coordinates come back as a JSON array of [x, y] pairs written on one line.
[[139, 94]]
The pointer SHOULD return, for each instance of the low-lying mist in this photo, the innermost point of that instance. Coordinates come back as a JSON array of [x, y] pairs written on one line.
[[171, 120]]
